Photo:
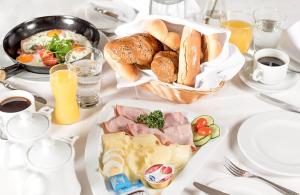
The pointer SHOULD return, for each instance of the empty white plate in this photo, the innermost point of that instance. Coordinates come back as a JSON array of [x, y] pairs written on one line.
[[243, 186], [271, 141], [289, 81]]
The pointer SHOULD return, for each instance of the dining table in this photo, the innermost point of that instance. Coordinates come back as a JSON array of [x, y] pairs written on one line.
[[231, 105]]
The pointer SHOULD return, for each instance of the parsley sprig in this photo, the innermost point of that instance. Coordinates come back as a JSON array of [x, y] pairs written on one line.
[[154, 120], [59, 47]]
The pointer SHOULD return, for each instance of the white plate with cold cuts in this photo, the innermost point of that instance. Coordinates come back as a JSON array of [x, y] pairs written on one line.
[[243, 186], [271, 141]]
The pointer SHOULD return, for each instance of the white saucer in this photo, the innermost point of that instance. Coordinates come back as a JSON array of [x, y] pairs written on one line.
[[289, 81], [270, 140], [101, 21], [294, 66], [243, 186]]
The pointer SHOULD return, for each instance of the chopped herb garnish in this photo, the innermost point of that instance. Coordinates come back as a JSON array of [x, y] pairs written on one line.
[[60, 47], [154, 120]]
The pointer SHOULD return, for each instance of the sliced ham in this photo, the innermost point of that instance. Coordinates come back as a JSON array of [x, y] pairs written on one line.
[[117, 124], [136, 129], [181, 134], [173, 119], [130, 112]]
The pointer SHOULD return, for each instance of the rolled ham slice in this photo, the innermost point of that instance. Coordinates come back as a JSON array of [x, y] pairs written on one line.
[[117, 124], [136, 129], [181, 134], [173, 119], [130, 112]]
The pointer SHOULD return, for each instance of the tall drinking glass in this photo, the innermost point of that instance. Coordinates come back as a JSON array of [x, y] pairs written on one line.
[[268, 27], [240, 25], [86, 63], [64, 86], [167, 7]]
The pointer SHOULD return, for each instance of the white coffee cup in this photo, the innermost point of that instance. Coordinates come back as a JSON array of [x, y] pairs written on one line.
[[5, 116], [266, 74]]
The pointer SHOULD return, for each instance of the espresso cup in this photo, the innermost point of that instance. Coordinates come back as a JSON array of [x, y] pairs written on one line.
[[7, 113], [270, 73]]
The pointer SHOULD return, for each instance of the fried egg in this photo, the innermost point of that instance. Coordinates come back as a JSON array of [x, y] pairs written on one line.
[[30, 59], [43, 38]]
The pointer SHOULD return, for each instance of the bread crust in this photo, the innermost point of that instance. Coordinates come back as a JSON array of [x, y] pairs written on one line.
[[159, 30], [189, 57], [165, 66], [124, 53]]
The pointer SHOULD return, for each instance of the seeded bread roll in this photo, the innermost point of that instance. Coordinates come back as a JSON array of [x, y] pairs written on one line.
[[165, 66], [125, 53]]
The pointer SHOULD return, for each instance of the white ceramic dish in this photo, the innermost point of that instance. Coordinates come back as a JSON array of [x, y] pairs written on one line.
[[94, 148], [33, 77], [289, 81], [271, 141], [101, 21], [243, 186]]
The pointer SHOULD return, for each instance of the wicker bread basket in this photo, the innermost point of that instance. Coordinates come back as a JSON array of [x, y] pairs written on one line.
[[182, 96]]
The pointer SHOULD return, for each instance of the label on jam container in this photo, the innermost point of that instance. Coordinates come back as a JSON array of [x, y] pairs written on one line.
[[160, 175], [119, 181]]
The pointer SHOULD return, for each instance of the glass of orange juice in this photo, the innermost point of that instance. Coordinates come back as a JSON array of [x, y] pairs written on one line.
[[240, 25], [64, 88]]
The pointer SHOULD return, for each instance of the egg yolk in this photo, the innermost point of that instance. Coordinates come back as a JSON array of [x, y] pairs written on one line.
[[52, 33], [25, 58], [77, 47]]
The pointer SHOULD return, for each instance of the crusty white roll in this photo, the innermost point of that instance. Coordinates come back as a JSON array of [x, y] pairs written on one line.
[[159, 30], [189, 56], [211, 47], [126, 71]]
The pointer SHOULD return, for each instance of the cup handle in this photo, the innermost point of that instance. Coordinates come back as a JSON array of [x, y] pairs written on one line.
[[257, 74], [46, 110], [34, 184]]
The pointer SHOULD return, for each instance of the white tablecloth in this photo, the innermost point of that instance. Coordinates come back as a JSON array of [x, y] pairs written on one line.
[[233, 104]]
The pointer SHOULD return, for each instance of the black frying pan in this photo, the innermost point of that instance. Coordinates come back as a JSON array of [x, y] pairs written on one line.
[[12, 40]]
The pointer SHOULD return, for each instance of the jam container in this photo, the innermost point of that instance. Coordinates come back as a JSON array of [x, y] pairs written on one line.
[[159, 175]]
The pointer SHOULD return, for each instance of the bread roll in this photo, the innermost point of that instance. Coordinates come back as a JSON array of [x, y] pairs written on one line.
[[211, 47], [189, 56], [124, 53], [159, 30], [165, 66]]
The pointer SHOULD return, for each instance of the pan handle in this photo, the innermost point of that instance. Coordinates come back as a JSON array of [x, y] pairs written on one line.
[[6, 72]]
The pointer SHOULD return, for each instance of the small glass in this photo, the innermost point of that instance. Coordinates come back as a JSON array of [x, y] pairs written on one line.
[[240, 24], [268, 27], [193, 10], [167, 7], [214, 11], [87, 63], [64, 87]]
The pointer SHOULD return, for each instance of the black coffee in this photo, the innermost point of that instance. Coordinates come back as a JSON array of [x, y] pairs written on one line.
[[14, 104], [270, 61]]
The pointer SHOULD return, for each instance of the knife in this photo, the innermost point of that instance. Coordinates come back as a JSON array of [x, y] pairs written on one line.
[[36, 97], [279, 103], [208, 190]]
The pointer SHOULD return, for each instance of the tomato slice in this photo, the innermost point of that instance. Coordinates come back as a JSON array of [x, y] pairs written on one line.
[[204, 131], [201, 122], [50, 61]]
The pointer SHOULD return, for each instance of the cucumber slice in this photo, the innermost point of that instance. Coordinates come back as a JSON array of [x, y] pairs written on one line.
[[210, 120], [197, 137], [215, 131], [202, 141]]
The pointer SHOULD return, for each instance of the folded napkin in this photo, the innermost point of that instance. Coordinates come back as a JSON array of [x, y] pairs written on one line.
[[223, 68], [290, 41]]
